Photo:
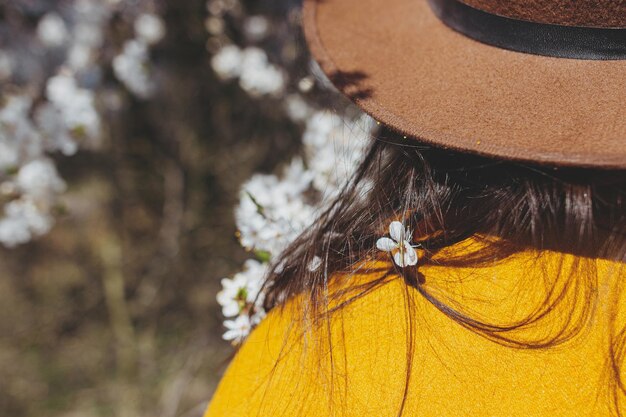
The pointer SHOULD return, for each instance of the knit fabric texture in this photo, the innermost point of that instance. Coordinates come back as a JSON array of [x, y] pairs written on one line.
[[356, 363]]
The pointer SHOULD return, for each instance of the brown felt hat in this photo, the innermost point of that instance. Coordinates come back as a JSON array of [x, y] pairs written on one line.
[[528, 80]]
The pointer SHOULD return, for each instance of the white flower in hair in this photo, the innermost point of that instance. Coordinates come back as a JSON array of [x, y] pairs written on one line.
[[399, 245]]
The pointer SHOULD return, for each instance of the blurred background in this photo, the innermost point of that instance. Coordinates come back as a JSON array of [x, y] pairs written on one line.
[[127, 128]]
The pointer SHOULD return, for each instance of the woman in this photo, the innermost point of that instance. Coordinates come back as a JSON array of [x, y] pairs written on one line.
[[475, 263]]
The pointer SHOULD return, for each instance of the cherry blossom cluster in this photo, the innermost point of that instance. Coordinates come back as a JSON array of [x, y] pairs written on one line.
[[53, 62], [275, 208]]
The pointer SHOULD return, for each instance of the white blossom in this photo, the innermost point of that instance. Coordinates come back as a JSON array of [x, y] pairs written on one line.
[[275, 209], [237, 329], [19, 139], [75, 105], [79, 56], [150, 28], [243, 290], [259, 77], [89, 35], [23, 220], [55, 134], [297, 108], [9, 154], [51, 30], [256, 28], [399, 245], [227, 62], [272, 211], [39, 178], [132, 69], [54, 112], [27, 179]]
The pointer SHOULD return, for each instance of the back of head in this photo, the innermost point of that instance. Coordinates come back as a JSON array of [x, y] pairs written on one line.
[[445, 197], [442, 199]]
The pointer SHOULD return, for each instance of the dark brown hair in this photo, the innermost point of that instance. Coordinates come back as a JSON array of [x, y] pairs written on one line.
[[446, 197]]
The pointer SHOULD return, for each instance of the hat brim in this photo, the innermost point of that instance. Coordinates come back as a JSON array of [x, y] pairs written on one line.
[[403, 66]]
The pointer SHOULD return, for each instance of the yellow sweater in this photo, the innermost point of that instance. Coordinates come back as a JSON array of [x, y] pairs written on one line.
[[357, 364]]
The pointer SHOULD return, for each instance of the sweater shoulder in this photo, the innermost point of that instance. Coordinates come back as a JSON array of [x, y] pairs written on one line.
[[296, 364]]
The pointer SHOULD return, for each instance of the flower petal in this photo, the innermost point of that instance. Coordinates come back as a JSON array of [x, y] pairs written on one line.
[[231, 335], [386, 244], [256, 318], [396, 231], [397, 258], [410, 255], [231, 309]]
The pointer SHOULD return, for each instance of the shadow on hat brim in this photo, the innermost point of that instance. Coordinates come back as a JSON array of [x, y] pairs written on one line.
[[399, 63]]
